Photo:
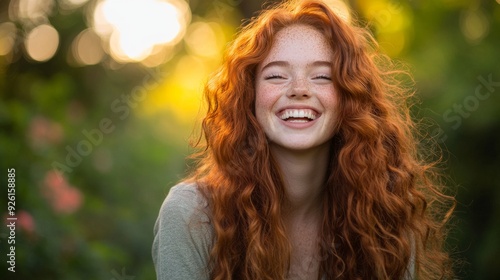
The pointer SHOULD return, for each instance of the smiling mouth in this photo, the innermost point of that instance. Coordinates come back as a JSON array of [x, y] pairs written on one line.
[[298, 115]]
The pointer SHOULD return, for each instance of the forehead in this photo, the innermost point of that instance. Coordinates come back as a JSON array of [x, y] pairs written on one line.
[[299, 43]]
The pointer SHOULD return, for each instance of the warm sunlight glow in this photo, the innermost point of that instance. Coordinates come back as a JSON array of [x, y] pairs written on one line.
[[392, 21], [204, 39], [180, 94], [392, 43], [134, 27], [42, 42]]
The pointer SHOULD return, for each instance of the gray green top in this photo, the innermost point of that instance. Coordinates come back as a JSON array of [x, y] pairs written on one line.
[[184, 236]]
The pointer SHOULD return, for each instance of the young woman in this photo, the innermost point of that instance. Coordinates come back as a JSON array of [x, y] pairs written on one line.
[[310, 168]]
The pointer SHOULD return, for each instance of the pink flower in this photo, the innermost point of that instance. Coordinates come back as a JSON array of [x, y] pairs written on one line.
[[64, 198], [25, 221], [43, 132]]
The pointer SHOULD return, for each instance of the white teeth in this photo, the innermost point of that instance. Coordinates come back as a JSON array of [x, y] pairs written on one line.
[[298, 113]]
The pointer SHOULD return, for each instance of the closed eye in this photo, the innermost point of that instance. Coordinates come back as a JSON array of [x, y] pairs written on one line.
[[325, 77], [273, 76]]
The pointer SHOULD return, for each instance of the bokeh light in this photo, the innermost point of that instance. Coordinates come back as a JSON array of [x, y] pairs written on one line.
[[180, 94], [204, 39], [31, 12], [133, 28], [42, 42], [159, 55], [474, 25], [8, 34], [71, 4], [86, 48]]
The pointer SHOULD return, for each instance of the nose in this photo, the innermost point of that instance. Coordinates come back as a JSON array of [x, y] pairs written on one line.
[[299, 89]]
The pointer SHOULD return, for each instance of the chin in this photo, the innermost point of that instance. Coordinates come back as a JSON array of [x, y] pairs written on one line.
[[298, 146]]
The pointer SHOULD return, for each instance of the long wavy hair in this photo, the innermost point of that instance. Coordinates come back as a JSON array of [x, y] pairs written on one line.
[[384, 209]]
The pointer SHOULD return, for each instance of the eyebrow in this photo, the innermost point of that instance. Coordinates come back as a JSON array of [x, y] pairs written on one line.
[[286, 63]]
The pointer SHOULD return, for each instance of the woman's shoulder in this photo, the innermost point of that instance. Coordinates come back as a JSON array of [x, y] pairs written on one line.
[[186, 200], [183, 234], [185, 191]]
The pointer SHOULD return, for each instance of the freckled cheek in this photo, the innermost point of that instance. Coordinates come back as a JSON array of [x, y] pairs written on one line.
[[327, 93], [330, 100], [266, 96]]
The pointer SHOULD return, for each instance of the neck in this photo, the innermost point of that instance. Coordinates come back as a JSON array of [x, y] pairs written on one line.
[[304, 175]]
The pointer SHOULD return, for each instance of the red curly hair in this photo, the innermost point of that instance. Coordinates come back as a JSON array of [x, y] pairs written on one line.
[[384, 208]]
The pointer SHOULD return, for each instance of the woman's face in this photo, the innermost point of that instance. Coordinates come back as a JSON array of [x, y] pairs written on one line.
[[296, 102]]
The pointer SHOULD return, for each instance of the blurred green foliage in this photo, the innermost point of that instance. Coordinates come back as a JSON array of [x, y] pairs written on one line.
[[94, 219]]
